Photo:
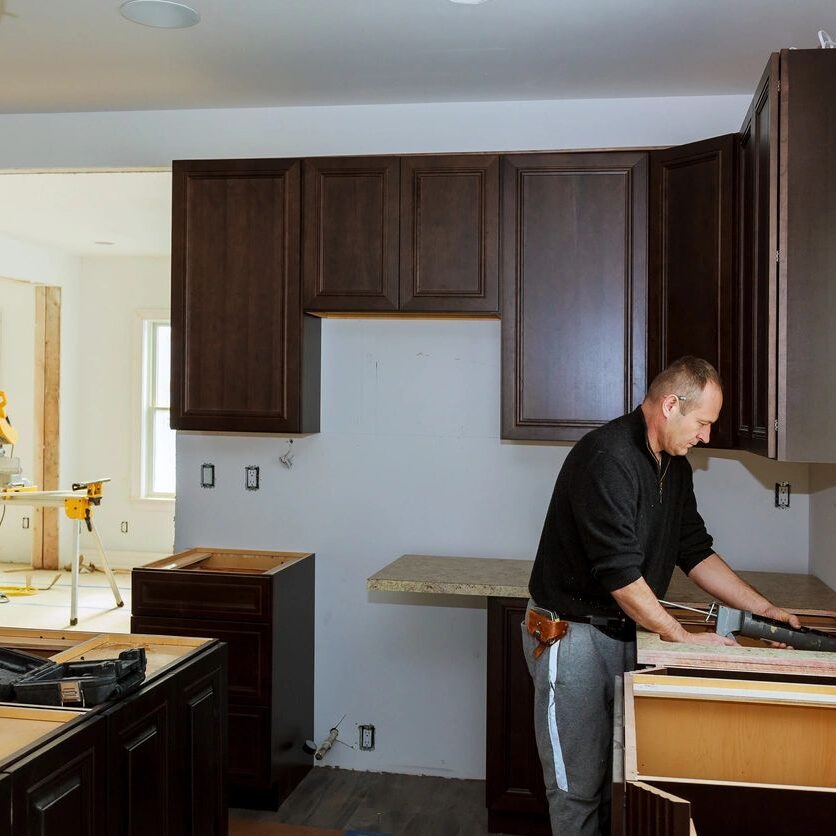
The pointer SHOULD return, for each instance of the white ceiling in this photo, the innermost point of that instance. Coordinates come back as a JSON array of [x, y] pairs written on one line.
[[81, 55], [71, 212]]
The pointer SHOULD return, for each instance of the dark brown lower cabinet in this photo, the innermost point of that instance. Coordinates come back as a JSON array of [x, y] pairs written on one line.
[[61, 788], [152, 763], [514, 792]]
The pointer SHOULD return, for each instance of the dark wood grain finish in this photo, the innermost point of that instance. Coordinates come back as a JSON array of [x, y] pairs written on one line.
[[5, 804], [652, 813], [574, 290], [237, 325], [184, 594], [200, 717], [62, 787], [691, 265], [350, 233], [756, 299], [271, 662], [449, 239], [141, 744], [806, 383], [514, 791], [250, 651], [717, 808]]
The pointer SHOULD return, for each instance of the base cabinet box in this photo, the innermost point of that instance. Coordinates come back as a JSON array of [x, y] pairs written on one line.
[[261, 604], [152, 762], [701, 752]]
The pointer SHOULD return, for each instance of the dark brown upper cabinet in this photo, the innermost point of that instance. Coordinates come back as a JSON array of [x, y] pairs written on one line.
[[450, 234], [409, 234], [788, 260], [757, 298], [574, 291], [243, 357], [350, 232], [691, 263]]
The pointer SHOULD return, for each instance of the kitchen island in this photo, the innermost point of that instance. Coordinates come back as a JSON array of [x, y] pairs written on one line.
[[515, 795]]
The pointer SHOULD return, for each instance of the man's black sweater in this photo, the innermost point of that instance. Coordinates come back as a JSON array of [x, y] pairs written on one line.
[[616, 515]]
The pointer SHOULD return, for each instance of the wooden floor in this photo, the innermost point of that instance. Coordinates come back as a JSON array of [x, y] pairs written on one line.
[[344, 800]]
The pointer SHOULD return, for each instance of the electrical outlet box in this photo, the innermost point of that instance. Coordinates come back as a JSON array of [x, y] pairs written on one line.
[[251, 478], [782, 494], [207, 475], [366, 737]]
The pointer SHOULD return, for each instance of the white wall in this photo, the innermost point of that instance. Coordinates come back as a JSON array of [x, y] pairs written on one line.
[[38, 264], [112, 291], [409, 457], [823, 522]]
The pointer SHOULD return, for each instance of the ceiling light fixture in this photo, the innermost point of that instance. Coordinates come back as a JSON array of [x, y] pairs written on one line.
[[161, 14]]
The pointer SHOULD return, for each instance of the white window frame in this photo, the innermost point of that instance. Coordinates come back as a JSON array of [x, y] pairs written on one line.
[[147, 322]]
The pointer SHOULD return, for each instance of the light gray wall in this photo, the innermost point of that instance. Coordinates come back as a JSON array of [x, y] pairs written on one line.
[[823, 522], [409, 459]]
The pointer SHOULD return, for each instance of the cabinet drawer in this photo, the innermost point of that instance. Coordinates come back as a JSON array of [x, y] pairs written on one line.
[[249, 745], [250, 649], [222, 597]]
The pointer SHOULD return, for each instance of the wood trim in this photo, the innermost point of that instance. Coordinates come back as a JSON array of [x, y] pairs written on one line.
[[46, 438]]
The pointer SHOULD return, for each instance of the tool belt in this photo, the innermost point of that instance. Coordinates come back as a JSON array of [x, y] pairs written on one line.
[[546, 627]]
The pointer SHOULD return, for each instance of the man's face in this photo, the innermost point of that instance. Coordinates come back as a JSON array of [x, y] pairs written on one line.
[[682, 432]]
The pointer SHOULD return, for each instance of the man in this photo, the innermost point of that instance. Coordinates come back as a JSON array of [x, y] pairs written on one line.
[[622, 515]]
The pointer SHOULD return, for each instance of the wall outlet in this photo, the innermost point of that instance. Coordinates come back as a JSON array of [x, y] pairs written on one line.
[[124, 527], [25, 522], [366, 737], [251, 477], [782, 494], [207, 475]]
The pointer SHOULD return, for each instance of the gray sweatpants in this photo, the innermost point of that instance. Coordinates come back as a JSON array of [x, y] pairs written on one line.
[[573, 723]]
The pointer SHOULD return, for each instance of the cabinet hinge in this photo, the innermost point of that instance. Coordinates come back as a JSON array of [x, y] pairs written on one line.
[[776, 425], [779, 85], [777, 255]]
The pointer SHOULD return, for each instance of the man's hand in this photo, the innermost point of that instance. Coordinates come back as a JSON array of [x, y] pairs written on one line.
[[777, 614], [710, 639]]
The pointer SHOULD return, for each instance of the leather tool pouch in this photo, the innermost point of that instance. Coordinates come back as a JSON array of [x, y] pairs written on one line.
[[546, 627]]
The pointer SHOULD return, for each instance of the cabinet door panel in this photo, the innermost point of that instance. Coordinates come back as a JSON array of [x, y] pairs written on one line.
[[449, 241], [61, 788], [235, 305], [249, 749], [351, 234], [692, 262], [515, 794], [756, 293], [574, 285], [140, 745]]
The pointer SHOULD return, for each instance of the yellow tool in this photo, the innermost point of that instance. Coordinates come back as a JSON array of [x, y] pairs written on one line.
[[8, 434]]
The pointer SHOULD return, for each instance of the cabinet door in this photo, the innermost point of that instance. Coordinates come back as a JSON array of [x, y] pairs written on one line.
[[449, 241], [652, 812], [61, 788], [350, 230], [140, 744], [5, 805], [514, 789], [198, 697], [691, 266], [574, 291], [237, 326], [756, 314]]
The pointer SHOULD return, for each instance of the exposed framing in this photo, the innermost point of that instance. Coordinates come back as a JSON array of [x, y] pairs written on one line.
[[46, 430]]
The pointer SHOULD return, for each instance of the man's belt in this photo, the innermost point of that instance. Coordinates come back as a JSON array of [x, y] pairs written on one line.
[[547, 627]]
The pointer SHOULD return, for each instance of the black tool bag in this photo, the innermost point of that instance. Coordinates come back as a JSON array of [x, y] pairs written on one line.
[[15, 664], [82, 683]]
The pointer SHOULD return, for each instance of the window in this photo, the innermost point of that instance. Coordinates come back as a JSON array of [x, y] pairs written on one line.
[[158, 439]]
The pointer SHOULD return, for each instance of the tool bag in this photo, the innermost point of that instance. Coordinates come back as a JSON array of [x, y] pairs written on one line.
[[546, 627], [83, 683], [15, 664]]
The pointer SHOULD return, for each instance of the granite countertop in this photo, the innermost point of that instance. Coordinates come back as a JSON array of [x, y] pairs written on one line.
[[496, 577]]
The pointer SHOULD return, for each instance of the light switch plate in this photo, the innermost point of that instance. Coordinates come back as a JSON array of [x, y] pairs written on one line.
[[207, 475], [251, 477]]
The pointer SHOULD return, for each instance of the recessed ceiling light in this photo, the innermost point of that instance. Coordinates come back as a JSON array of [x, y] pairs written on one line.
[[162, 14]]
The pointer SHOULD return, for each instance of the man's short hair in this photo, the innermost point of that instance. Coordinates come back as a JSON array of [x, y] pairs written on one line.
[[686, 378]]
